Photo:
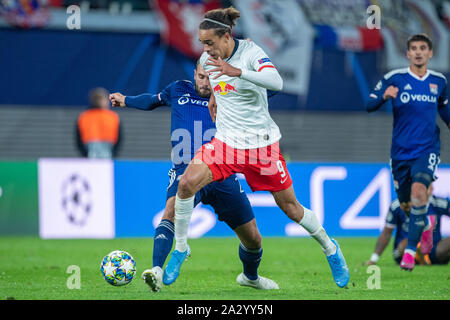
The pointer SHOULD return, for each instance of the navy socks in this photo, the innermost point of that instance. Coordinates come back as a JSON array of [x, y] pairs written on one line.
[[417, 222], [163, 241], [250, 259]]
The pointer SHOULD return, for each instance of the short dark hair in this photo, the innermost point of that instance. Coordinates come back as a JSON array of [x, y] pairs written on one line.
[[420, 37]]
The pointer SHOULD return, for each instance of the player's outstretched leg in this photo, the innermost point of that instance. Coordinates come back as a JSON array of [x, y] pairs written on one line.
[[287, 201], [183, 212], [330, 247], [196, 176], [162, 244]]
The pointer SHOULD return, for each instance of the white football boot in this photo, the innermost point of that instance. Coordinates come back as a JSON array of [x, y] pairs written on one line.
[[153, 278], [260, 283]]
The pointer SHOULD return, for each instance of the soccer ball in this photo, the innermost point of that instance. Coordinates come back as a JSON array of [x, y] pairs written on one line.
[[118, 268]]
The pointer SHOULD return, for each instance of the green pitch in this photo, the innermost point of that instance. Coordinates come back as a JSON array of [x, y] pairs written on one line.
[[32, 268]]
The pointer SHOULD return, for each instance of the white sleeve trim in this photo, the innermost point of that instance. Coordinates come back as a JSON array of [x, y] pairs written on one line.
[[438, 74], [396, 71]]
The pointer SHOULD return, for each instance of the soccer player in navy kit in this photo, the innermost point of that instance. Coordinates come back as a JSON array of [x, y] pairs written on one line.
[[396, 219], [418, 95], [191, 127]]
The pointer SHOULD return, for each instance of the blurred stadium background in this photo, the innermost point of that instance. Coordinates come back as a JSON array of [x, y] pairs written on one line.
[[338, 154]]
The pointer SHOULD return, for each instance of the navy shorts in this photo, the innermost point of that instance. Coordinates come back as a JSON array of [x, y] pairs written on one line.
[[406, 172], [227, 198]]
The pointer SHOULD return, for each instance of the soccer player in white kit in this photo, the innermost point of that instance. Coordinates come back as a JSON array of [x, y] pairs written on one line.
[[246, 140]]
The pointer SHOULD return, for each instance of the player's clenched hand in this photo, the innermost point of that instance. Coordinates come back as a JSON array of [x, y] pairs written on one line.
[[391, 92], [223, 68], [117, 99], [212, 106]]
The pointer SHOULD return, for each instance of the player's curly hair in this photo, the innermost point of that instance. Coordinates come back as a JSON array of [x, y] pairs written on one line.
[[226, 16]]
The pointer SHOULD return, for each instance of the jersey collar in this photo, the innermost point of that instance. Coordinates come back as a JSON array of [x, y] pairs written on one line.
[[412, 74], [236, 45]]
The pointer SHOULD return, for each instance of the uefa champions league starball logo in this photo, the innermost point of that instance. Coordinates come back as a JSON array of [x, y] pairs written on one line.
[[76, 199]]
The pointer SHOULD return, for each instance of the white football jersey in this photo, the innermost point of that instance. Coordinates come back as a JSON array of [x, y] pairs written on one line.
[[243, 120]]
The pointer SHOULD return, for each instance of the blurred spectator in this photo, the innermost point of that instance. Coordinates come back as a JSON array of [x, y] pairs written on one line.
[[134, 4], [55, 3], [107, 4], [25, 13], [443, 11], [98, 129]]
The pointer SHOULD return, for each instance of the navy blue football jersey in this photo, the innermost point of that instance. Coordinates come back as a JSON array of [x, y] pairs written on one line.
[[397, 219], [191, 123], [415, 109]]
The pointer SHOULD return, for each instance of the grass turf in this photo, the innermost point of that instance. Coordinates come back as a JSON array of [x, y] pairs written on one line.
[[32, 268]]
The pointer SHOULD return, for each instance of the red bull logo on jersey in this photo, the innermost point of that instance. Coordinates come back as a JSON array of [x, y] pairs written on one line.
[[223, 88]]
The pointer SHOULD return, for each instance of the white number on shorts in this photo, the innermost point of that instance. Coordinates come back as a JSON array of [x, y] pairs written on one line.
[[240, 187], [432, 160], [281, 169]]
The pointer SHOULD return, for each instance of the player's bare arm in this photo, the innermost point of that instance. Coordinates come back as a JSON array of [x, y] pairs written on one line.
[[382, 243], [117, 100]]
